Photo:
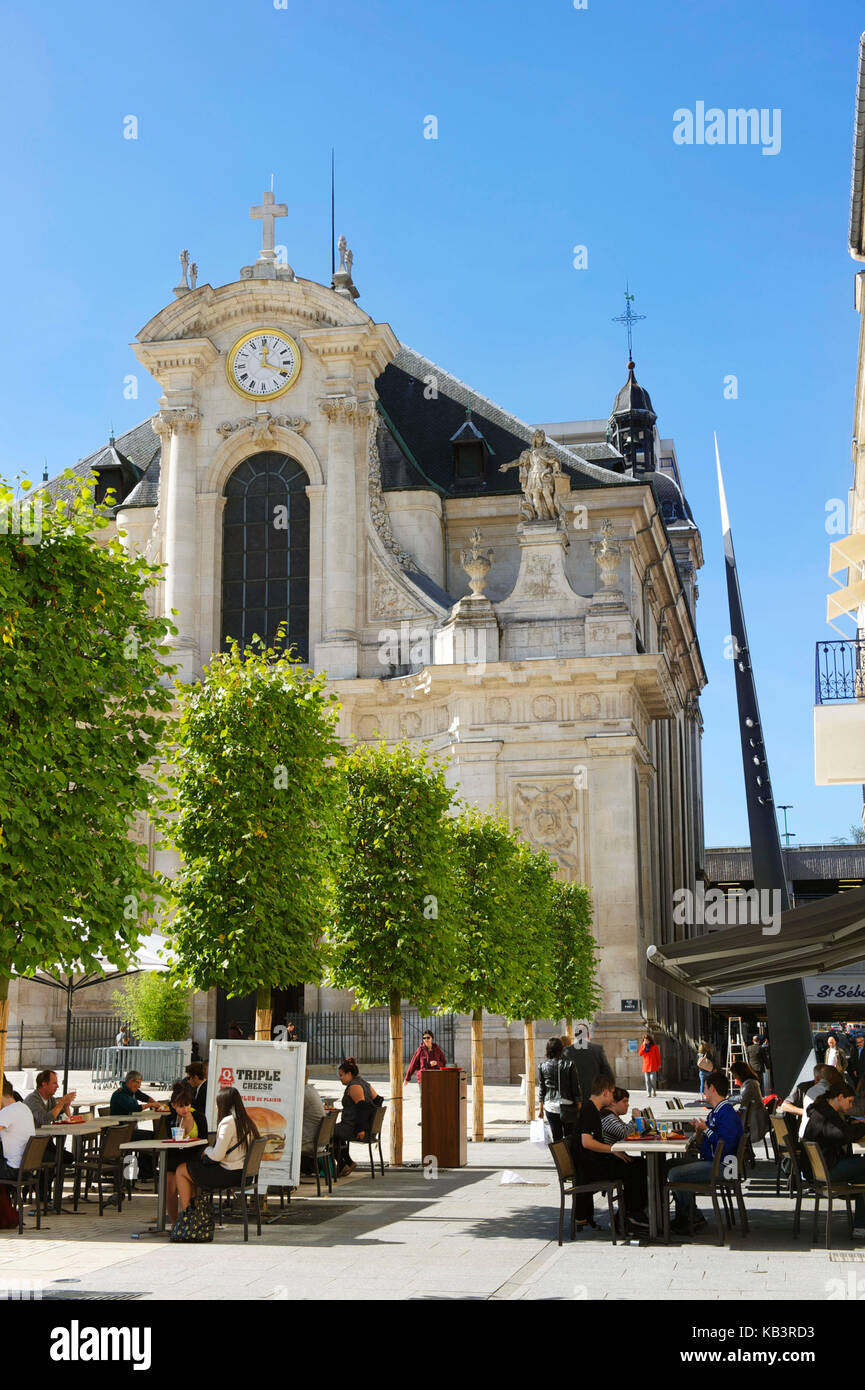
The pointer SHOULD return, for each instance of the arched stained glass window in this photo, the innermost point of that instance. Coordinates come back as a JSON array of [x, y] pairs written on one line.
[[265, 552]]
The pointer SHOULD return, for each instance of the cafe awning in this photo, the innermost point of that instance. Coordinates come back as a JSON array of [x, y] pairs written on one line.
[[845, 600], [811, 940]]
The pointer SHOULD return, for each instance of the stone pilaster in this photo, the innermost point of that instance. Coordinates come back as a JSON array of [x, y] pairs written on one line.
[[337, 652], [177, 428]]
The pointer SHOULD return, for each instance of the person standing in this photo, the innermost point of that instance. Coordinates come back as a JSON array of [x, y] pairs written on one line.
[[196, 1075], [428, 1057], [650, 1054], [589, 1060], [705, 1062], [549, 1091], [835, 1056], [856, 1061]]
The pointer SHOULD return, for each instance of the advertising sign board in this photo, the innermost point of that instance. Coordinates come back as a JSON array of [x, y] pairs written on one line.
[[270, 1077]]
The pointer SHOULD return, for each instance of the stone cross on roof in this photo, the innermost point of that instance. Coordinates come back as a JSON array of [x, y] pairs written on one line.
[[268, 213]]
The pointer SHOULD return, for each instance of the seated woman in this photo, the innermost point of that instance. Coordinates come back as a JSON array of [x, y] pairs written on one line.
[[221, 1162], [359, 1100], [194, 1125], [751, 1101]]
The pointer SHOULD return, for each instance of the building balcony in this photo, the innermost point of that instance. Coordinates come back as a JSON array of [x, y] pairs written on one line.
[[839, 713]]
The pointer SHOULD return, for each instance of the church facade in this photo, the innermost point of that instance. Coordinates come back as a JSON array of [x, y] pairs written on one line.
[[519, 600]]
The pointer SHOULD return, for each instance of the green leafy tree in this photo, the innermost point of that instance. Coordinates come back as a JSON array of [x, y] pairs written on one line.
[[533, 997], [154, 1007], [389, 938], [486, 914], [576, 993], [84, 709], [254, 798]]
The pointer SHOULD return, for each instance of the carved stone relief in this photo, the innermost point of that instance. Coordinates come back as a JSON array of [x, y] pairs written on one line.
[[544, 707], [547, 814]]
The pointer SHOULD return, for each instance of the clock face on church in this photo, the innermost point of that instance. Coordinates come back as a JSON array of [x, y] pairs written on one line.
[[263, 364]]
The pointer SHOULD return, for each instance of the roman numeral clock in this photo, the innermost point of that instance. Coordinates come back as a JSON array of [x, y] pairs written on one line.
[[263, 364]]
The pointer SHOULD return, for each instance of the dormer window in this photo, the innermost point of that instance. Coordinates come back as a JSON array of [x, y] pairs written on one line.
[[469, 450]]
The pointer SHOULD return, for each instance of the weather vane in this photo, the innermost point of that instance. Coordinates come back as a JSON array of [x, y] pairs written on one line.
[[629, 318]]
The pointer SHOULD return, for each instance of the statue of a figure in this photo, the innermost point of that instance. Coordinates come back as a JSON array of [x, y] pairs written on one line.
[[539, 467], [193, 275]]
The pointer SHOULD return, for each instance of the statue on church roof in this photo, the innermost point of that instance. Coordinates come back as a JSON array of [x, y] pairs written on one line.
[[193, 275], [342, 282], [182, 286], [539, 467]]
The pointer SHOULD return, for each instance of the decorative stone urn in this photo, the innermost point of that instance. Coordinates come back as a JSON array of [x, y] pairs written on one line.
[[476, 562]]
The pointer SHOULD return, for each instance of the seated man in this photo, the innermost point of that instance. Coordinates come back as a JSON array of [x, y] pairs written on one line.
[[724, 1123], [129, 1099], [313, 1114], [829, 1126], [594, 1159], [46, 1109], [805, 1094], [196, 1075], [16, 1129]]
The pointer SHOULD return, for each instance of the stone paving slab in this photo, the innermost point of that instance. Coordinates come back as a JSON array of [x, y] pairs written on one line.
[[461, 1235]]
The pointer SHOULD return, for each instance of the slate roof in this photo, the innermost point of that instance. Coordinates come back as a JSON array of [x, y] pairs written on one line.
[[139, 446], [419, 453], [631, 397]]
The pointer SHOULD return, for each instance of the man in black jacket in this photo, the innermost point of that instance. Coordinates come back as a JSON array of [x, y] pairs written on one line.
[[589, 1059], [856, 1060], [829, 1126]]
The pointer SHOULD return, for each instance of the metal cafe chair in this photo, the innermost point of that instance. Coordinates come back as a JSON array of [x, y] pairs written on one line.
[[708, 1189], [373, 1138], [247, 1181], [569, 1187], [732, 1187], [322, 1150], [105, 1166], [832, 1189], [29, 1178]]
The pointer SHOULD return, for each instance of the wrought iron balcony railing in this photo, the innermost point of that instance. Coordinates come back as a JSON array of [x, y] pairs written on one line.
[[840, 671]]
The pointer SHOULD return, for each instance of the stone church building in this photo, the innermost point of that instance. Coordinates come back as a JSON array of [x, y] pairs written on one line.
[[517, 598]]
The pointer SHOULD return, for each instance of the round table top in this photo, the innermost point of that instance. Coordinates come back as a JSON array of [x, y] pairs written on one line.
[[666, 1144], [163, 1143]]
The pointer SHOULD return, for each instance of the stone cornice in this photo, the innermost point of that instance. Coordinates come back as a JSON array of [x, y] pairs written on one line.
[[162, 358], [206, 310], [347, 409], [372, 344]]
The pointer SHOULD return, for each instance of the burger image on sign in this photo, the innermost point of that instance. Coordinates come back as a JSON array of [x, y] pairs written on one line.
[[271, 1127]]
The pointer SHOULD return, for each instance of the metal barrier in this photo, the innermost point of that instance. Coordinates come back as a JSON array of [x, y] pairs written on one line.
[[159, 1065]]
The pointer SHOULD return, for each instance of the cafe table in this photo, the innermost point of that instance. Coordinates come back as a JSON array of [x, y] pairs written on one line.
[[58, 1132], [653, 1150], [161, 1147]]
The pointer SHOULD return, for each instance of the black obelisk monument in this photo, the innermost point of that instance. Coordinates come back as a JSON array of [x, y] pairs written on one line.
[[790, 1043]]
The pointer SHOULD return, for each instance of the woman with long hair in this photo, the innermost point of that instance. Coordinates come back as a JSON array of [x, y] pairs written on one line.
[[185, 1115], [751, 1101], [222, 1160], [549, 1090]]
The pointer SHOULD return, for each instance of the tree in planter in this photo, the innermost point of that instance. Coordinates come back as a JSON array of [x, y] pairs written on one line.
[[84, 710], [156, 1009], [576, 993], [486, 915], [254, 799], [389, 937], [533, 997]]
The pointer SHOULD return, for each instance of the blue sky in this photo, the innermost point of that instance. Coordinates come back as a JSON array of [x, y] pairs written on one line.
[[554, 129]]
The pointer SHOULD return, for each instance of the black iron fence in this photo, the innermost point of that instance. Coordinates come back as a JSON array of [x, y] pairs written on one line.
[[90, 1031], [330, 1037], [840, 671]]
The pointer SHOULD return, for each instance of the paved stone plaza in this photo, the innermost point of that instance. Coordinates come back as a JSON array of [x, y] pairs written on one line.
[[462, 1234]]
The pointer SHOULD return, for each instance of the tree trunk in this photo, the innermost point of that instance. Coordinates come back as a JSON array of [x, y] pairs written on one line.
[[395, 1081], [263, 1014], [4, 1021], [569, 1031], [478, 1076], [529, 1035]]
